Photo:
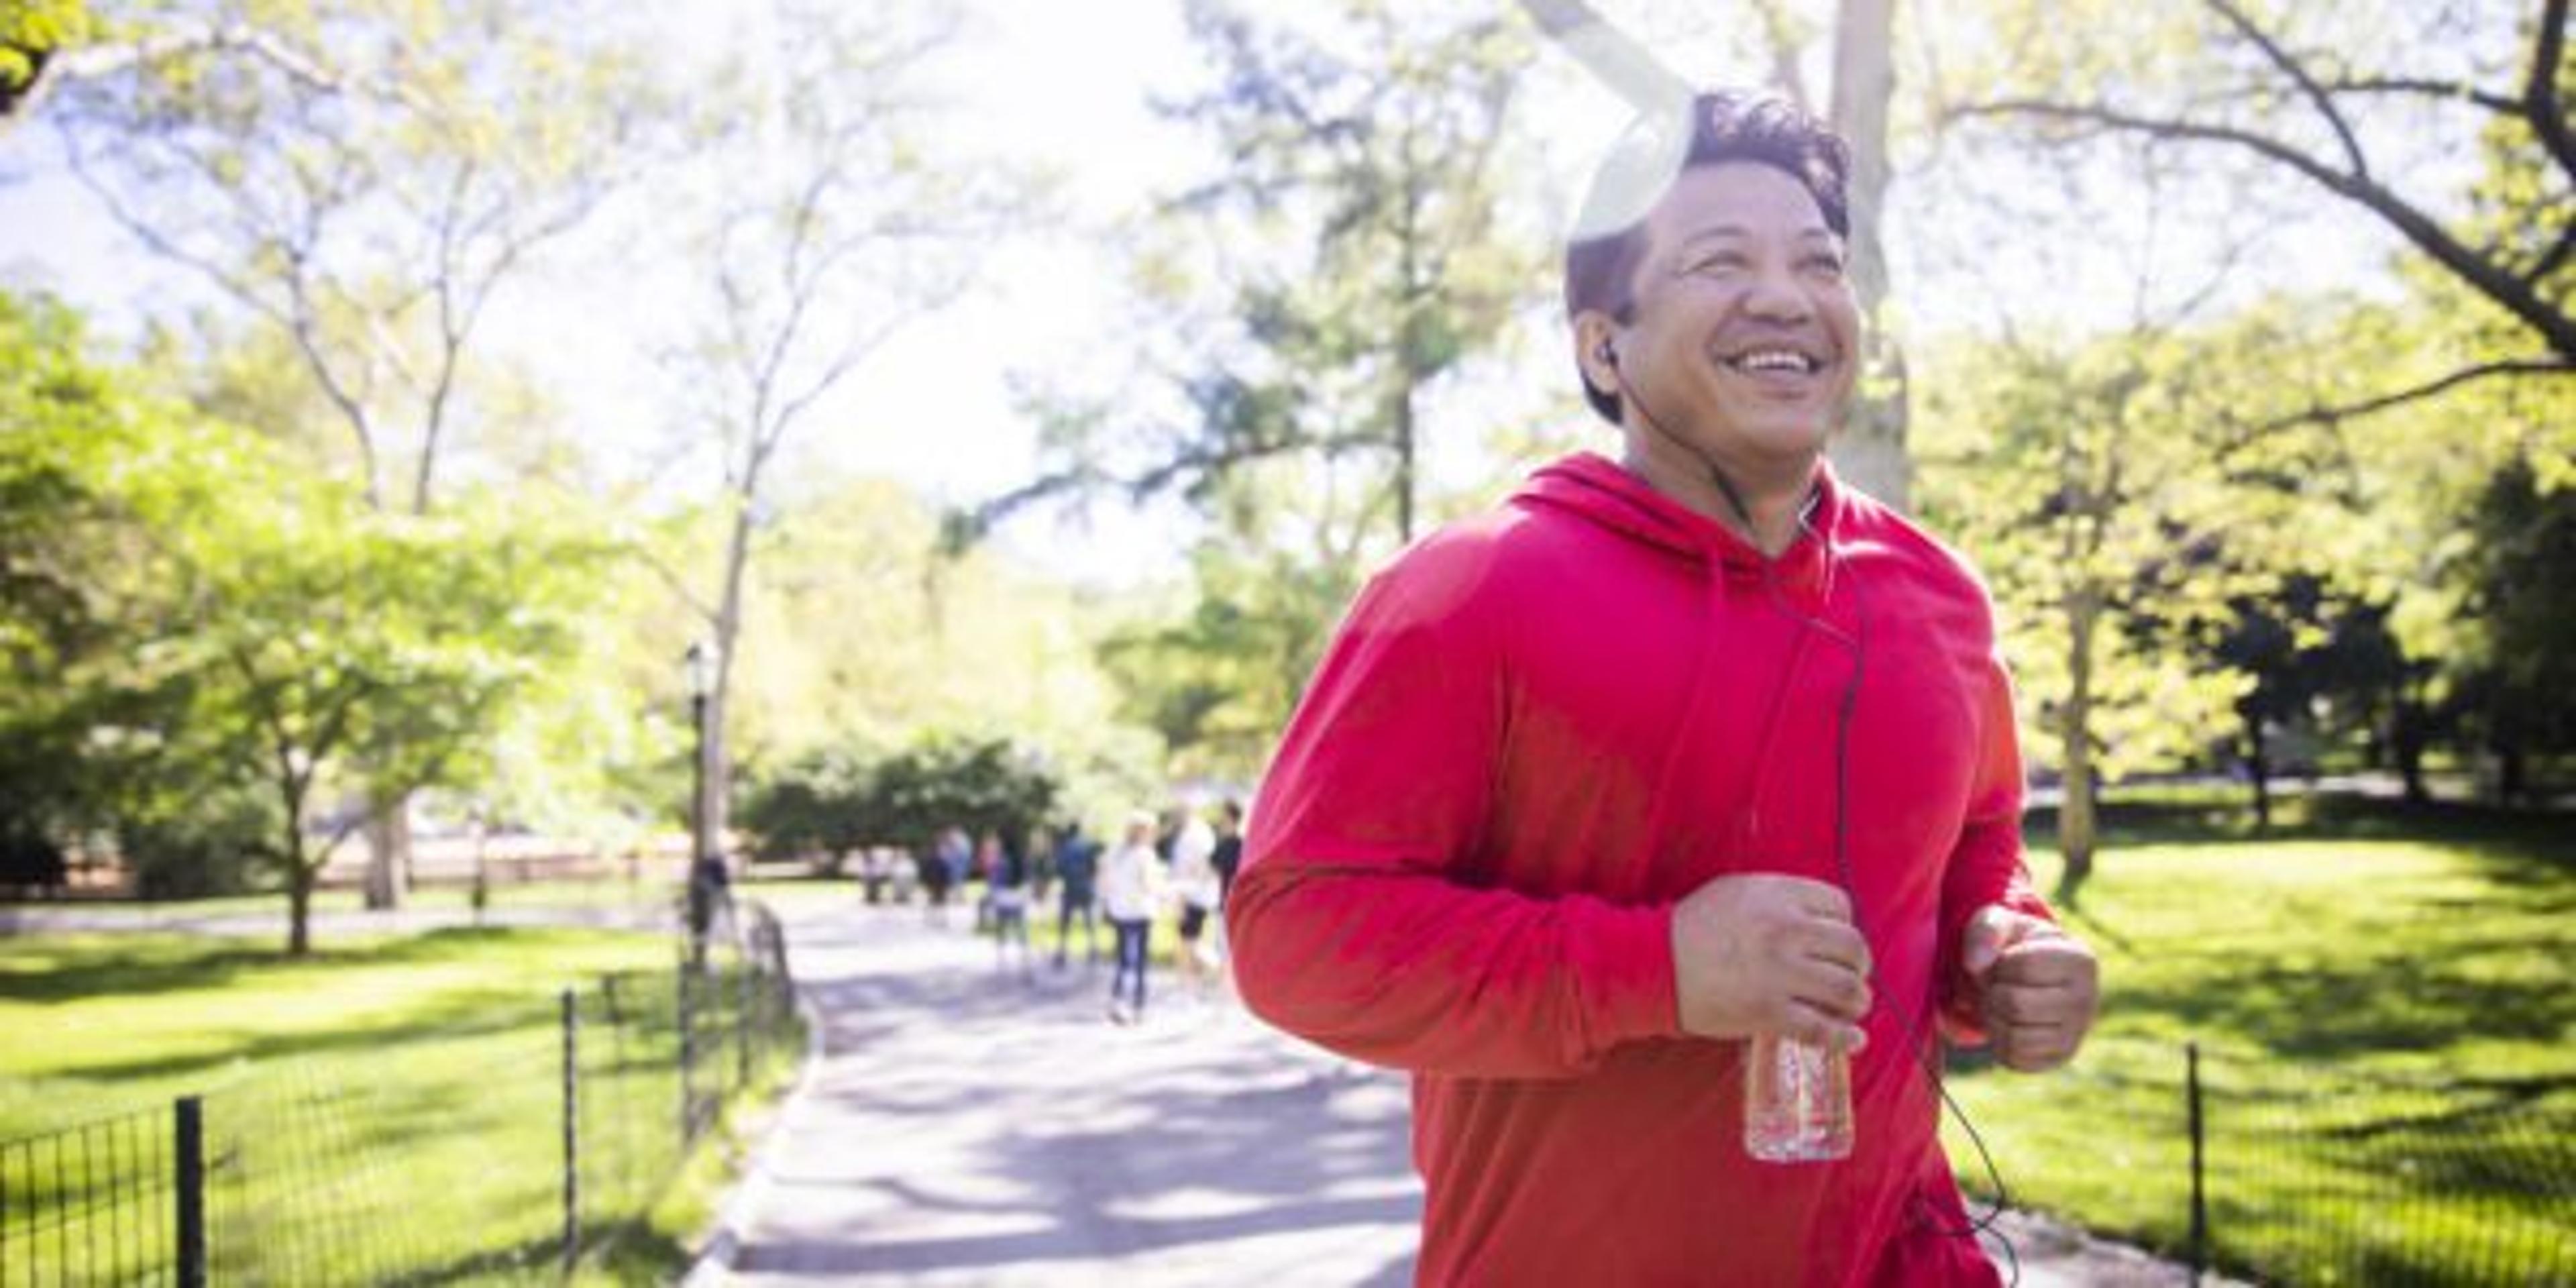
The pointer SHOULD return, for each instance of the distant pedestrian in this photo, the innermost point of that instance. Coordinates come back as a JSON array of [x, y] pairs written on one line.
[[949, 860], [1077, 868], [1227, 858], [957, 859], [1194, 883], [1009, 886], [1130, 881], [986, 868]]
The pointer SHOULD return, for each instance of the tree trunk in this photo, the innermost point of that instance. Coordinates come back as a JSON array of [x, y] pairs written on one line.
[[299, 907], [2512, 770], [2075, 821], [300, 870], [2406, 742], [388, 852], [1870, 453], [1404, 467], [2258, 771]]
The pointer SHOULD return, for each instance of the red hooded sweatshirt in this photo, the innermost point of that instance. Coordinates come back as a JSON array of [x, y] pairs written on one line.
[[1538, 730]]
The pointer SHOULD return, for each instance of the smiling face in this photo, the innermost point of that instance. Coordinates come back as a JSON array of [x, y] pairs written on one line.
[[1744, 338]]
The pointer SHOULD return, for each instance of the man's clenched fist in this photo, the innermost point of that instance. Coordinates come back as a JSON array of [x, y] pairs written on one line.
[[2036, 987]]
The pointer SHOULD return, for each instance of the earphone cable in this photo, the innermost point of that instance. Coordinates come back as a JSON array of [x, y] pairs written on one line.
[[1926, 1055]]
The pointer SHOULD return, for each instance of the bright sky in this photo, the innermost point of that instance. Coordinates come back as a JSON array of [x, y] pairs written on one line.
[[1060, 83], [1064, 85]]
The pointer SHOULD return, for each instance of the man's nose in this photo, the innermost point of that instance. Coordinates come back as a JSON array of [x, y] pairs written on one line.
[[1774, 295]]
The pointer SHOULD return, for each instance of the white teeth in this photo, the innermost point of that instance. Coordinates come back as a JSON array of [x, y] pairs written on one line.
[[1774, 360]]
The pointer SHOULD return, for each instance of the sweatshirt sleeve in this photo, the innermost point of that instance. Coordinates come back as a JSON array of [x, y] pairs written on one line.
[[1986, 865], [1353, 923]]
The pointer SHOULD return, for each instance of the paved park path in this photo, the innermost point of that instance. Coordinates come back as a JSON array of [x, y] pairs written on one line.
[[968, 1126]]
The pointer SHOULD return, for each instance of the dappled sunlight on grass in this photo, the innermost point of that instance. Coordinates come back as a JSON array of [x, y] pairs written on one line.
[[2422, 989]]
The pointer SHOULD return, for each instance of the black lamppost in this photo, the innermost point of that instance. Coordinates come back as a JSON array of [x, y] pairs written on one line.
[[706, 864]]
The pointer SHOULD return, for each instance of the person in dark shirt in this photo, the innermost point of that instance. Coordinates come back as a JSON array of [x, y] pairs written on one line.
[[1229, 848], [1077, 865]]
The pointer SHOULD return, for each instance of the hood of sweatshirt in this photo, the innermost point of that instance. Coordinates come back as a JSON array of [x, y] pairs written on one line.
[[1602, 492]]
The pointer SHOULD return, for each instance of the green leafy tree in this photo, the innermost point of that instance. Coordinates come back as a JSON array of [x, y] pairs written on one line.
[[867, 634], [2520, 673], [944, 781], [33, 33], [218, 636], [817, 804], [2315, 661], [1319, 297], [1218, 679], [354, 646], [366, 178], [1349, 259], [2121, 493]]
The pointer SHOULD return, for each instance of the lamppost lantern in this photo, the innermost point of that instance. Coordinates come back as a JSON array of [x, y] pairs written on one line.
[[701, 669]]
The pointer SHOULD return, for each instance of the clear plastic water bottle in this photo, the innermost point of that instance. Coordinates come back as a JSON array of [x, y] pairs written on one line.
[[1797, 1101]]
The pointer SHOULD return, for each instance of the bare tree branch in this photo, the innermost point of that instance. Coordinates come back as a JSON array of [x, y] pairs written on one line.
[[1196, 462], [2416, 393], [2426, 87], [2554, 326], [100, 61], [2298, 73], [2556, 256], [2540, 92], [678, 584]]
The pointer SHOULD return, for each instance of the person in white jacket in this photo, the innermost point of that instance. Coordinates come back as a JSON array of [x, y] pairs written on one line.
[[1130, 892], [1194, 882]]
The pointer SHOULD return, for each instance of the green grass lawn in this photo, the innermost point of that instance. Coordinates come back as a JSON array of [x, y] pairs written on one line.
[[600, 892], [390, 1108], [2390, 1085]]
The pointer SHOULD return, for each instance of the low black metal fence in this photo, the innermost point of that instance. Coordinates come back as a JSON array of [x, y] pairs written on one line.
[[2304, 1176], [541, 1139], [2275, 1170]]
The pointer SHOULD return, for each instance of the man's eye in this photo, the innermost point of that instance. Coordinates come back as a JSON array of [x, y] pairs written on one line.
[[1825, 265], [1713, 265]]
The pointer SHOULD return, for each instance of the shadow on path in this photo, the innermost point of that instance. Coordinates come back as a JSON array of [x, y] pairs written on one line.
[[974, 1125]]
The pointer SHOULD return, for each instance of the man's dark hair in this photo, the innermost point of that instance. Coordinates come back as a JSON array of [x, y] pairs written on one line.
[[1601, 259]]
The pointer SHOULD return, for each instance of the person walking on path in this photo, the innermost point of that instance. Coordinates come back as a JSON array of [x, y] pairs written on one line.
[[985, 866], [1077, 864], [1226, 860], [951, 854], [1194, 884], [1228, 857], [1130, 895], [1010, 894], [1673, 758]]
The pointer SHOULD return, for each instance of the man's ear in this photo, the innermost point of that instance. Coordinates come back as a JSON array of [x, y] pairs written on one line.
[[1596, 350]]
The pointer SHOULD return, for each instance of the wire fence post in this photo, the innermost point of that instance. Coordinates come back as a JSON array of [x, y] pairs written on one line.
[[571, 1130], [2199, 1198], [190, 1152], [688, 1057], [742, 1025]]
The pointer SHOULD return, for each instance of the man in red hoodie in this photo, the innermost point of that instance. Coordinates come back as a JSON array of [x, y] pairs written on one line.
[[1665, 754]]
